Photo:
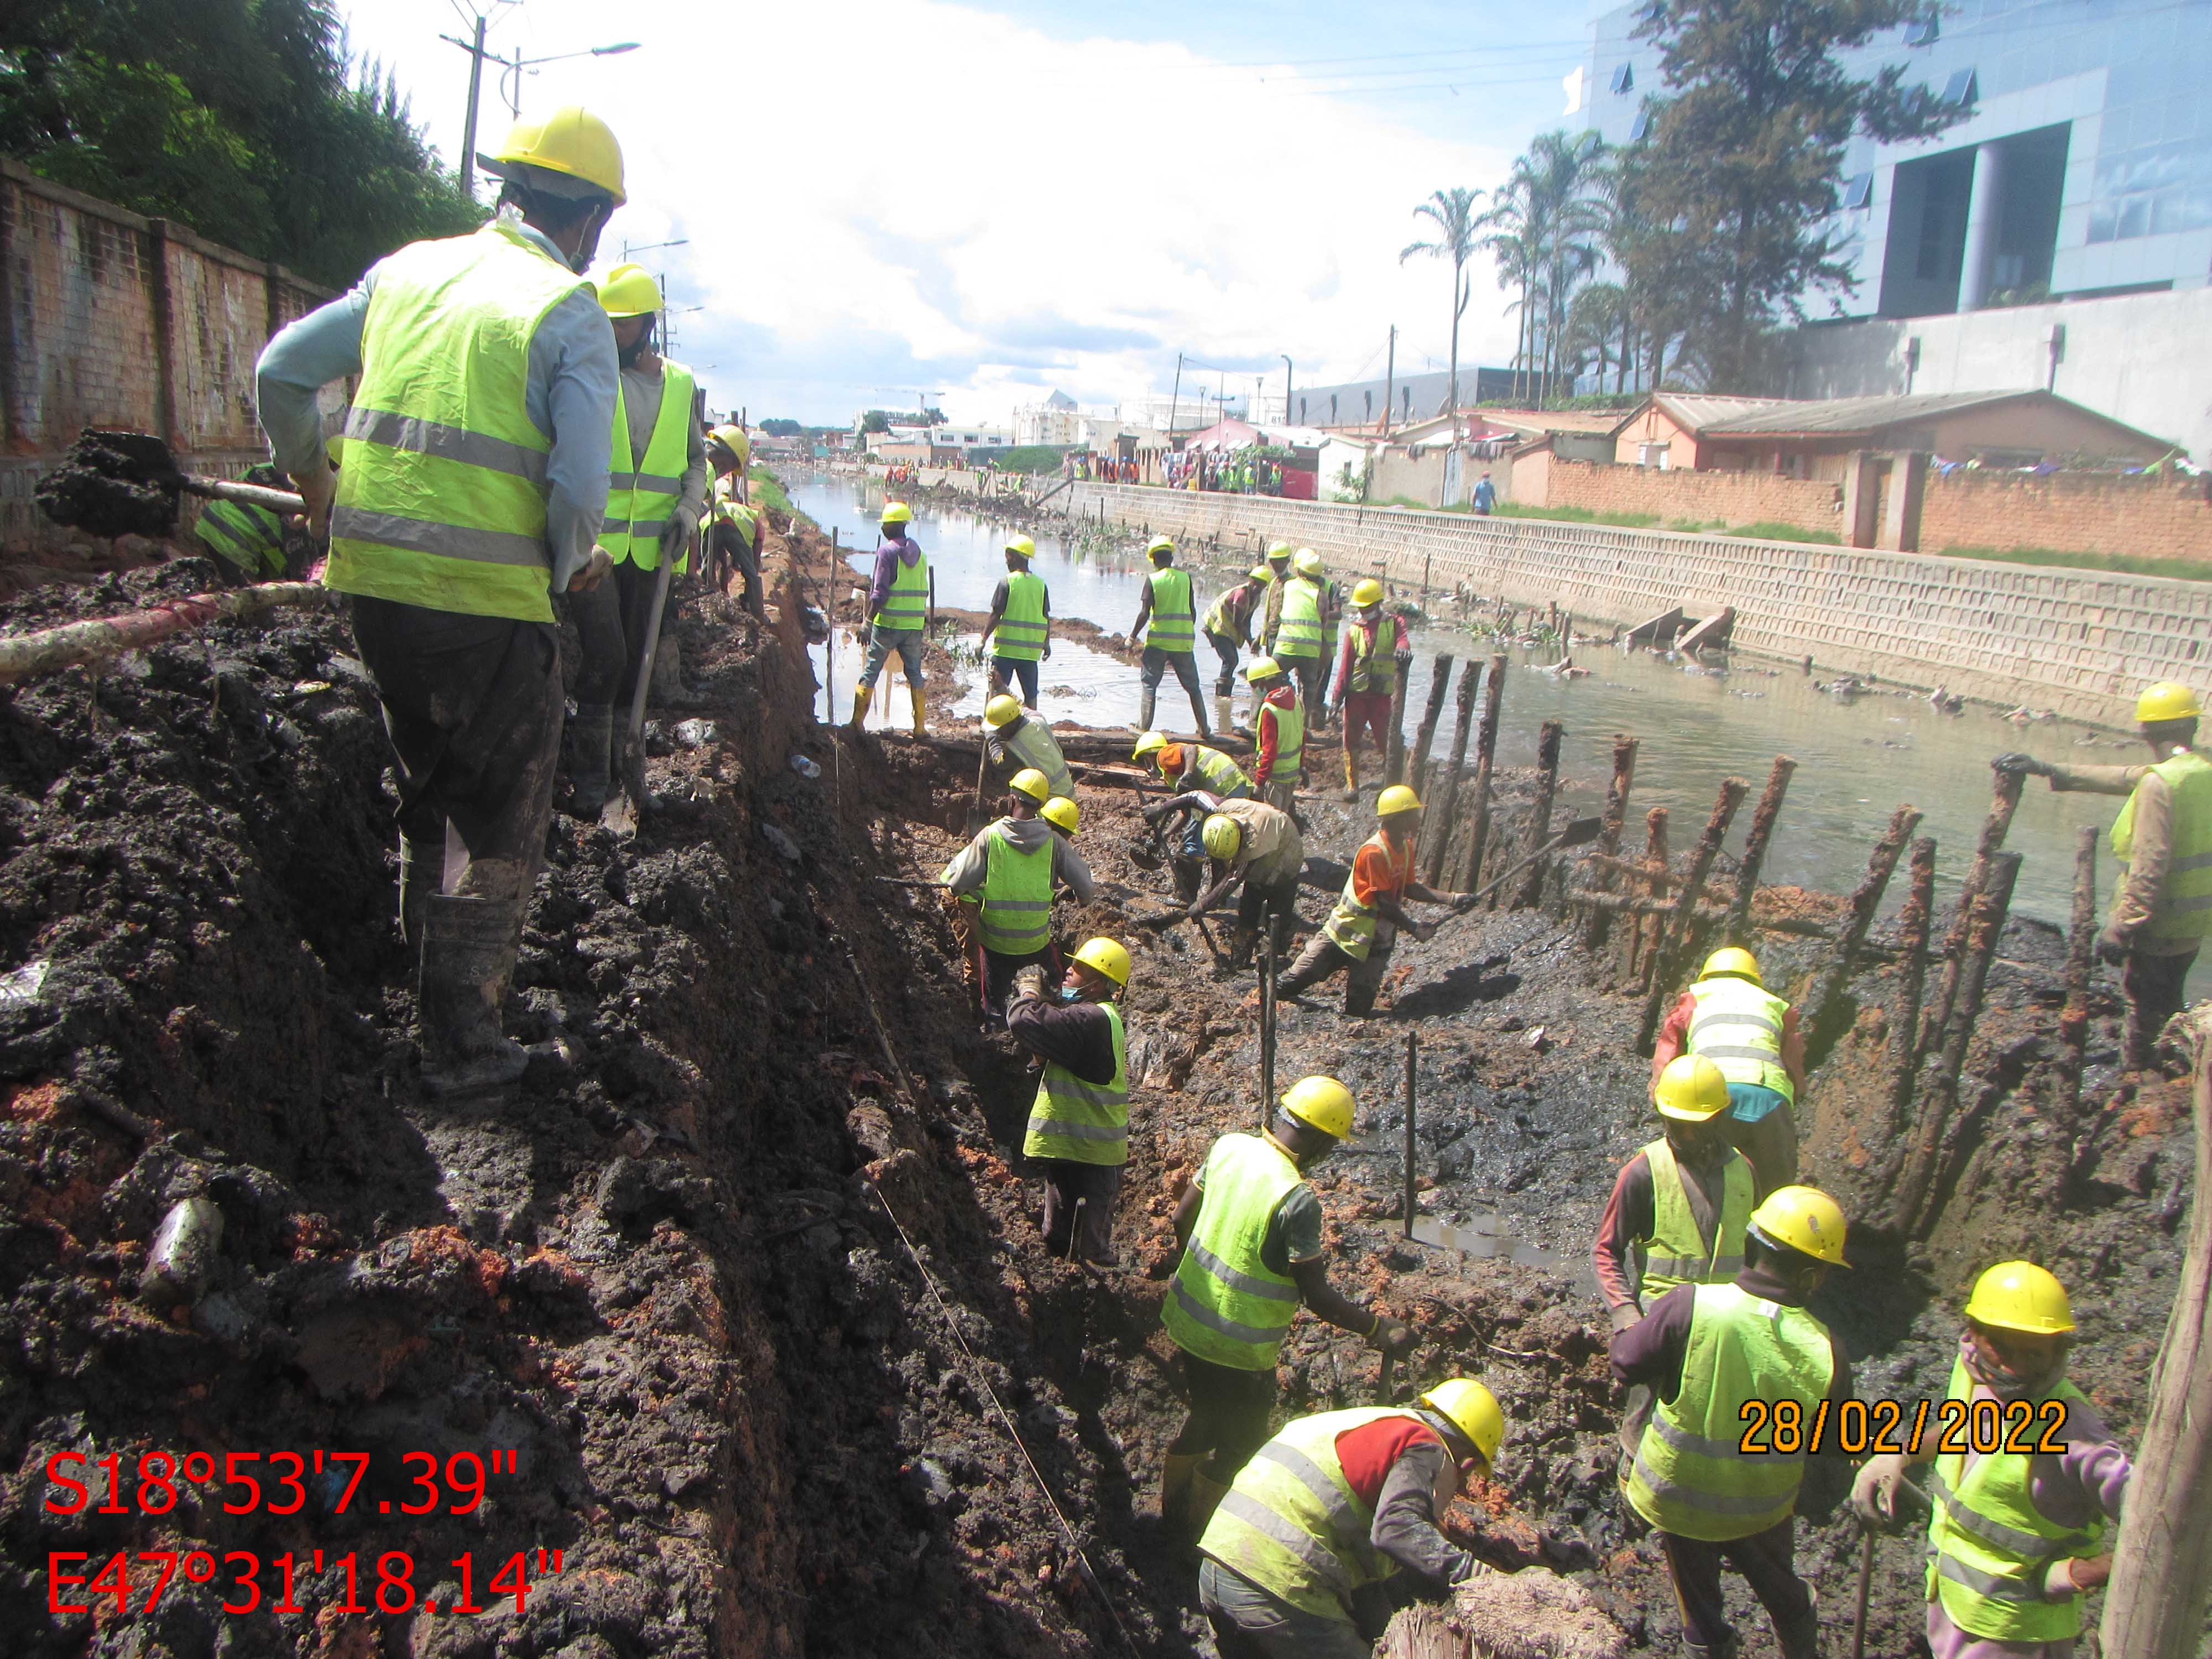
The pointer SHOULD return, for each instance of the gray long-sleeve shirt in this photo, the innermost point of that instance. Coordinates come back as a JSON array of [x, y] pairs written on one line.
[[569, 396], [972, 863]]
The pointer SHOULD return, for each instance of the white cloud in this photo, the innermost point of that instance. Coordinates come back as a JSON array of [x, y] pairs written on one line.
[[897, 196]]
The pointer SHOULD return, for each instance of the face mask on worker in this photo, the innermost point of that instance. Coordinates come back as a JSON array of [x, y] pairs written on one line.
[[2016, 1369]]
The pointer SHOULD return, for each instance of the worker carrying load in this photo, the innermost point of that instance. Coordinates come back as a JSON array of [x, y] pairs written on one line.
[[2162, 902], [1369, 667], [1228, 627], [1260, 845], [1167, 606], [1278, 734], [732, 526], [1021, 618], [1250, 1229], [1019, 741], [2016, 1538], [1000, 889], [898, 613], [1296, 1559], [1362, 931], [1731, 1018], [1716, 1356], [1078, 1127]]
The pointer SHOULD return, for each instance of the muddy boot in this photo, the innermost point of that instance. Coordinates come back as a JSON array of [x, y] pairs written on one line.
[[1351, 773], [862, 696], [1145, 698], [921, 710], [1224, 713], [1241, 943], [469, 948], [1176, 1486], [590, 752], [1205, 1496], [1198, 713]]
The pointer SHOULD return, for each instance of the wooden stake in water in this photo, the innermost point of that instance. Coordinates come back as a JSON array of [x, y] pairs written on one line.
[[1267, 1018], [1413, 1111]]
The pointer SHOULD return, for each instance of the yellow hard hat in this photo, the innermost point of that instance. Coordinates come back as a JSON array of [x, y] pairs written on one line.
[[572, 142], [2019, 1296], [627, 290], [1322, 1101], [1369, 592], [1261, 668], [1104, 955], [1398, 797], [1279, 550], [897, 512], [1148, 743], [1002, 710], [1158, 545], [1691, 1088], [1802, 1219], [1221, 835], [1732, 959], [1308, 562], [1023, 545], [1062, 814], [736, 440], [2169, 699], [1474, 1411], [1031, 782], [1259, 573]]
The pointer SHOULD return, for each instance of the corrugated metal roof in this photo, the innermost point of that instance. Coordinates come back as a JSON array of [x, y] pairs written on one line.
[[1700, 412], [1846, 417]]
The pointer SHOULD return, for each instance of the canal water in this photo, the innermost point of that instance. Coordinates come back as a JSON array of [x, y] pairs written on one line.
[[1857, 759]]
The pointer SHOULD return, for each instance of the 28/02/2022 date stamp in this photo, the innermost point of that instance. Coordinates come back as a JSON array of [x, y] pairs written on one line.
[[1861, 1427]]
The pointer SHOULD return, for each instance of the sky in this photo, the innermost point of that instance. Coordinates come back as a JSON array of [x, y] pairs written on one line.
[[885, 198]]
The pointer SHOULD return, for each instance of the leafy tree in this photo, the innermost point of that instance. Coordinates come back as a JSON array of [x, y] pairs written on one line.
[[780, 428], [875, 420], [1453, 212]]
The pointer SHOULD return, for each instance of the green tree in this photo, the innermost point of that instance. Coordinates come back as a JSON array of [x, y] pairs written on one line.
[[780, 428], [1457, 224], [1741, 164]]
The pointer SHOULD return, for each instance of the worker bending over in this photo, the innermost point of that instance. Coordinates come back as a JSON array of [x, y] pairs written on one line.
[[1228, 628], [1184, 766], [1278, 733], [1168, 605], [1250, 1229], [1362, 931], [247, 539], [1260, 845], [2015, 1539], [1375, 655], [1301, 639], [1002, 885], [1731, 1018], [1021, 618], [898, 612], [1709, 1352], [732, 526], [1078, 1127], [2162, 902], [1019, 741], [1297, 1560]]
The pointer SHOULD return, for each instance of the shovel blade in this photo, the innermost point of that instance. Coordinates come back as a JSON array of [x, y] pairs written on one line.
[[1581, 832]]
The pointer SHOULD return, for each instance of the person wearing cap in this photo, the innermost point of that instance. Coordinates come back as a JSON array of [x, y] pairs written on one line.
[[1278, 733], [1228, 628], [1250, 1227], [2162, 902], [1166, 612], [732, 526], [1021, 618], [1375, 655], [1017, 741], [2015, 1539], [1298, 1567], [1362, 931], [475, 483], [1300, 641], [898, 612], [1708, 1351], [1078, 1126], [1731, 1018], [1259, 845], [656, 499], [999, 888]]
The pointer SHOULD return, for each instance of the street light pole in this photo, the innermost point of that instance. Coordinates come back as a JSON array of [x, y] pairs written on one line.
[[1287, 386]]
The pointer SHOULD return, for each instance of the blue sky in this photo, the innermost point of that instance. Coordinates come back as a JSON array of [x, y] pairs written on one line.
[[892, 197]]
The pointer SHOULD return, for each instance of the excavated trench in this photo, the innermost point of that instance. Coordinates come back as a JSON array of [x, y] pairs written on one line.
[[748, 1269]]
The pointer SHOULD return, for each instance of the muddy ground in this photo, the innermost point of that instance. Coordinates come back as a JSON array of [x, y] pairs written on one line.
[[746, 1271]]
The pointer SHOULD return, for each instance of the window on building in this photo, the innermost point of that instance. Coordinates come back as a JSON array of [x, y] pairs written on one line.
[[1641, 128], [1922, 32], [1858, 190], [1961, 90], [1623, 78]]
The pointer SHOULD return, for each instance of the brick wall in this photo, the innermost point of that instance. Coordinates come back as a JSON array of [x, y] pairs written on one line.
[[2081, 643], [2142, 517], [1729, 497]]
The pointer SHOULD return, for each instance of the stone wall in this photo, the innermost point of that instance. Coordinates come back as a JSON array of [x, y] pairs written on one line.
[[2077, 641], [1732, 498], [2140, 517]]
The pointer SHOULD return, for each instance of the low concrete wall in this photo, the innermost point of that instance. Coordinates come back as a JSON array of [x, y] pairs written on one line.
[[2139, 517], [2078, 642], [1735, 498]]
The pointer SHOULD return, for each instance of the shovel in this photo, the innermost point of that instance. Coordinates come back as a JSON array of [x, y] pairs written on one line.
[[1579, 833], [619, 816], [115, 483]]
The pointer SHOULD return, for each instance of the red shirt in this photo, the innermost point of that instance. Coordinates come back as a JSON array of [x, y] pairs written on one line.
[[1367, 1452], [1376, 868], [1265, 731]]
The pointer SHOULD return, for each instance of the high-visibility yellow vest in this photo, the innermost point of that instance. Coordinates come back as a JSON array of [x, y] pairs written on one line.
[[643, 490], [2185, 902], [1291, 1523], [1690, 1476], [1227, 1304], [1373, 668], [1222, 775], [1031, 743], [1169, 627], [441, 500], [251, 537], [1016, 920], [1738, 1026], [1019, 636], [725, 508], [1298, 630], [1228, 614], [1351, 925], [1677, 1253], [1990, 1547], [1080, 1123], [1290, 726], [906, 607]]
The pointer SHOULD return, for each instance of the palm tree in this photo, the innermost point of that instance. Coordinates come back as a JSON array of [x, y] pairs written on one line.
[[1456, 221], [1512, 242]]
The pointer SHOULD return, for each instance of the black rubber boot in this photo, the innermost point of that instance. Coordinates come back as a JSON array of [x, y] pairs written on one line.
[[591, 755], [469, 947]]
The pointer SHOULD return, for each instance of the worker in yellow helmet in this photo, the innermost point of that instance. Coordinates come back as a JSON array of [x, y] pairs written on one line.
[[475, 483], [1250, 1229], [1021, 618], [1731, 1017], [1374, 657], [999, 889], [898, 612], [1278, 733], [1078, 1127], [1228, 625], [1298, 1566], [1014, 739], [1260, 845], [1167, 614], [2162, 903], [733, 527], [1279, 554], [2016, 1536], [1709, 1352]]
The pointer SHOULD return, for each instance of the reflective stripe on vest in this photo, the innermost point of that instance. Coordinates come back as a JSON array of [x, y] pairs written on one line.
[[1291, 1522], [1228, 615], [1227, 1304], [1738, 1026], [2185, 900], [442, 500], [643, 491], [1290, 726], [1016, 915], [1676, 1253], [1373, 669], [1690, 1476], [1224, 777], [906, 607], [1034, 745], [1351, 925], [1168, 628], [250, 538], [1298, 631], [1019, 635], [1989, 1547], [1080, 1123]]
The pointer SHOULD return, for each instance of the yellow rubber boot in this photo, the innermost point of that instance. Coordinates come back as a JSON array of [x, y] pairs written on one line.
[[1175, 1486], [920, 713], [1205, 1496], [1351, 773], [862, 696]]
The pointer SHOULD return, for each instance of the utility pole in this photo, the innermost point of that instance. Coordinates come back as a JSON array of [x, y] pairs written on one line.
[[1286, 388], [1389, 379], [1174, 398], [469, 127]]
